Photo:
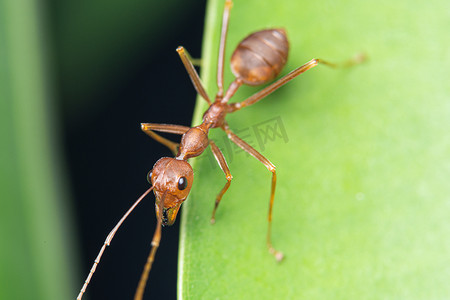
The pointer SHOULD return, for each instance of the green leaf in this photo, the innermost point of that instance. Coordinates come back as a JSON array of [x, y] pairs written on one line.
[[36, 261], [362, 203]]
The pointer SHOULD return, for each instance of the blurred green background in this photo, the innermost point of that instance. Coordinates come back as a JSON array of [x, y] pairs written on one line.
[[76, 80]]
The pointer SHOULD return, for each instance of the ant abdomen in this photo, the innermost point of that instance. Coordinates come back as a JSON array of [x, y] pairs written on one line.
[[261, 56]]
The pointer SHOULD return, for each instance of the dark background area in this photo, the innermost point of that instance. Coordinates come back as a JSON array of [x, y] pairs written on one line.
[[108, 82]]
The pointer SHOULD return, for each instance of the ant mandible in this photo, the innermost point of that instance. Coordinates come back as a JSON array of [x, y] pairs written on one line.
[[258, 59]]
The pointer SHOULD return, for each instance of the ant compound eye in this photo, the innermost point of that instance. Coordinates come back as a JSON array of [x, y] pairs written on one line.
[[149, 177], [182, 183]]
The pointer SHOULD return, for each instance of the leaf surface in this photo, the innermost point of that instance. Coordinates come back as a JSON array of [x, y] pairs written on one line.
[[363, 160]]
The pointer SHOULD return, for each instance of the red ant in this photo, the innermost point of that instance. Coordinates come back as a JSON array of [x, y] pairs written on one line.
[[258, 59]]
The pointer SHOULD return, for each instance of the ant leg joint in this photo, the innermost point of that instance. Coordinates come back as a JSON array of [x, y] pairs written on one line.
[[321, 61], [219, 197]]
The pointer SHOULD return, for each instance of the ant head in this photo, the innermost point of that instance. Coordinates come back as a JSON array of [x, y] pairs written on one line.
[[172, 181]]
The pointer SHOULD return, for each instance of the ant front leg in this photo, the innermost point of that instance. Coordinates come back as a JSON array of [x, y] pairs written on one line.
[[187, 62], [151, 257], [149, 129], [250, 150], [224, 166]]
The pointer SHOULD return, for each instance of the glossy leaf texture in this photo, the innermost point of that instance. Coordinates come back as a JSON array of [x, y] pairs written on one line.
[[363, 159]]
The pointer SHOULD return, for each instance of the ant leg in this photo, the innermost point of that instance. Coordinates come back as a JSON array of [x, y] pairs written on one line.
[[223, 39], [187, 62], [250, 150], [235, 84], [224, 166], [108, 242], [197, 62], [149, 129], [282, 81], [274, 86], [151, 257]]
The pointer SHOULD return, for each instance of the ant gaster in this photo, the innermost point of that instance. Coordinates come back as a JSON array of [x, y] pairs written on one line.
[[258, 59]]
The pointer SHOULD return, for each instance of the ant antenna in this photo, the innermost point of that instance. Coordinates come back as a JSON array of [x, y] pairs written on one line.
[[108, 242]]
